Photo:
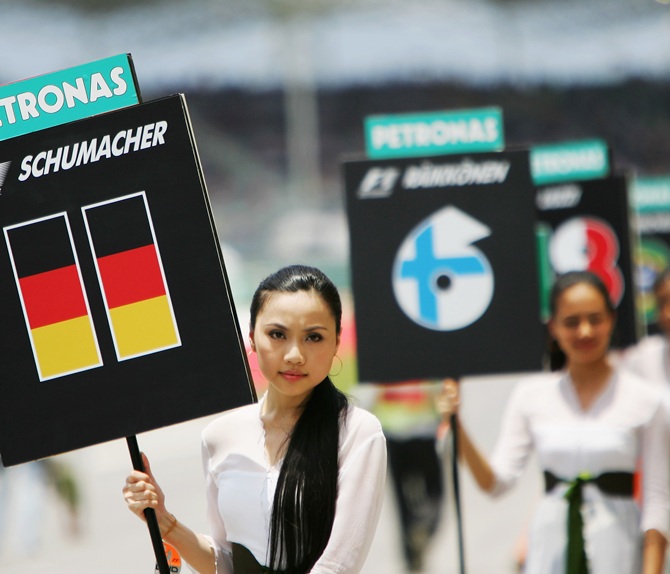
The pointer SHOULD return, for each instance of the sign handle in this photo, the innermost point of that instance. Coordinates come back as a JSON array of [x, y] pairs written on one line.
[[149, 513], [457, 491]]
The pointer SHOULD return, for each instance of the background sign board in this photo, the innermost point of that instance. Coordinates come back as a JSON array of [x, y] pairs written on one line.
[[434, 133], [587, 226], [443, 266], [650, 197], [569, 161], [116, 314], [562, 162], [67, 95]]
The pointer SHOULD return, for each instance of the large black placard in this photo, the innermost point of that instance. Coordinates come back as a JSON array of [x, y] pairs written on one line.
[[443, 265], [116, 314]]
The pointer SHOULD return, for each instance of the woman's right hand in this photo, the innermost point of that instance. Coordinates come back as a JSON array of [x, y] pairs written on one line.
[[448, 400], [141, 491]]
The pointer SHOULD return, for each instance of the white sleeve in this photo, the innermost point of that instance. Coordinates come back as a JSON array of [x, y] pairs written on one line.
[[218, 539], [656, 472], [514, 444], [361, 484]]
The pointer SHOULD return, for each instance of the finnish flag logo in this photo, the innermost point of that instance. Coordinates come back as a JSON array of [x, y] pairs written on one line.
[[440, 279]]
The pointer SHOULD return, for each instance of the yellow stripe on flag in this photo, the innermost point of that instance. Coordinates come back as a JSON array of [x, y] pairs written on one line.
[[144, 327], [65, 347]]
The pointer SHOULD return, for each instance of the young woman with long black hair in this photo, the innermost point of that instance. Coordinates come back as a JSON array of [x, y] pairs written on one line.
[[591, 425], [294, 482]]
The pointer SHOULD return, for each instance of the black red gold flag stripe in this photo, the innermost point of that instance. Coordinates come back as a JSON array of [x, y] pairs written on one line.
[[53, 297], [131, 276]]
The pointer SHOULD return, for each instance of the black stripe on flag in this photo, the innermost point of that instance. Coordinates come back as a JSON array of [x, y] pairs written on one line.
[[119, 226], [41, 246]]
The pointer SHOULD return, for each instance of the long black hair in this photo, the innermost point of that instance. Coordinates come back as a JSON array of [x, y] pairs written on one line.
[[304, 504], [557, 358]]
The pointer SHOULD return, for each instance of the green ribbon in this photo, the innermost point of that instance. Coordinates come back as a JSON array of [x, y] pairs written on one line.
[[576, 558]]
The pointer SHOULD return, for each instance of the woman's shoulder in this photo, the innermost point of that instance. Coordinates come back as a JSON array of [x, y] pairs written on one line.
[[538, 382], [646, 358], [361, 417], [649, 345], [360, 435], [237, 419], [535, 392], [639, 388], [360, 424], [643, 397]]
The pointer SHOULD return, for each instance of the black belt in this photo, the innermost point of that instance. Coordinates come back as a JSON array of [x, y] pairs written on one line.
[[244, 562], [612, 483]]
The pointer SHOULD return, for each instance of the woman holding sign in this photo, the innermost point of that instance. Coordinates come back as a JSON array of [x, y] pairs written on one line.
[[591, 425], [294, 482]]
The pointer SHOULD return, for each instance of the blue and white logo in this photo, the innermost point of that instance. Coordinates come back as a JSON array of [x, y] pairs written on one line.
[[440, 280]]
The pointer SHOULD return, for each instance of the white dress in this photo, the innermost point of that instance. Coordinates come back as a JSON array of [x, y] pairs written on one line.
[[241, 486], [626, 424]]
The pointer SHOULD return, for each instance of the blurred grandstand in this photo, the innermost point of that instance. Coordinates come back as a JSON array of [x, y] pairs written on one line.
[[278, 89]]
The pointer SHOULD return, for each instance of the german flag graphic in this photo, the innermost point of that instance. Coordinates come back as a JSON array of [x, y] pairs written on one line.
[[131, 275], [55, 307]]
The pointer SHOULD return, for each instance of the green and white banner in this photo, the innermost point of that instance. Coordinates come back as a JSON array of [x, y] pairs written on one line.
[[434, 133], [651, 194], [67, 95], [569, 161]]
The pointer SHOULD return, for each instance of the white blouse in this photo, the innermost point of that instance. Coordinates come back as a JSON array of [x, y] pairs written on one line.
[[626, 424], [241, 485]]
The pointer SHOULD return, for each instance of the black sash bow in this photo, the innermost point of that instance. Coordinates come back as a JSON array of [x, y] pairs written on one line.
[[612, 483]]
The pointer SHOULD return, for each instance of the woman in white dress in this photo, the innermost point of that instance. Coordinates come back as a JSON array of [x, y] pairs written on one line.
[[650, 358], [295, 482], [592, 426]]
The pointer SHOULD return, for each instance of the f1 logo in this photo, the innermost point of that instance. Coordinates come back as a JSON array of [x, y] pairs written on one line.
[[440, 280], [378, 182], [4, 168]]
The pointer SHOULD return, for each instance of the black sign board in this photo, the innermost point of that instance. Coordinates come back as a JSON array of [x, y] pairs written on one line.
[[588, 228], [116, 316], [443, 264]]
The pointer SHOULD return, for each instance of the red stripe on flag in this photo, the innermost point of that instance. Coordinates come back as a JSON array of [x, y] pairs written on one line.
[[53, 296], [131, 276]]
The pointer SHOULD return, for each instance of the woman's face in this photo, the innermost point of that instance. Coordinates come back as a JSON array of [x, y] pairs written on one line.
[[582, 324], [295, 340]]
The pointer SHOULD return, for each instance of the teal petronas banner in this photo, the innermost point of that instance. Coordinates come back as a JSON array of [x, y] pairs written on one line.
[[434, 133], [569, 161], [67, 95]]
